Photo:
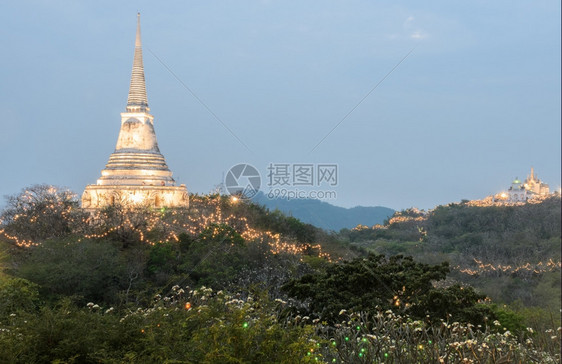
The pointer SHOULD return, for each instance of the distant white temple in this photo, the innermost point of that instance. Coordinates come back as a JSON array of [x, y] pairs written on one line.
[[136, 172], [517, 192], [523, 191]]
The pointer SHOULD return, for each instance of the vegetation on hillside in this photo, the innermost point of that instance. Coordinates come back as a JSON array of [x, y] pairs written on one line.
[[232, 282], [509, 253], [398, 284]]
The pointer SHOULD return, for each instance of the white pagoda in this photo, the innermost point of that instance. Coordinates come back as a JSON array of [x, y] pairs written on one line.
[[136, 173]]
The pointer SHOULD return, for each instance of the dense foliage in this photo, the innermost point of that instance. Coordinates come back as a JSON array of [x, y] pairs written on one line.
[[206, 326], [511, 253], [398, 283], [113, 287], [196, 327]]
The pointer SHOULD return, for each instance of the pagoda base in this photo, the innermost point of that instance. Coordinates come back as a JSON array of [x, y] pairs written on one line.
[[100, 196]]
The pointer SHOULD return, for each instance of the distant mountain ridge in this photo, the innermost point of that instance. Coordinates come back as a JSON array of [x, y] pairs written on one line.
[[324, 215]]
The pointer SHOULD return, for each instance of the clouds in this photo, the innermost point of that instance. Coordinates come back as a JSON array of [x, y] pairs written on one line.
[[412, 30], [418, 34]]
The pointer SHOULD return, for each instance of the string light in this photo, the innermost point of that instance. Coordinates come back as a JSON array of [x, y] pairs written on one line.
[[526, 268], [206, 212]]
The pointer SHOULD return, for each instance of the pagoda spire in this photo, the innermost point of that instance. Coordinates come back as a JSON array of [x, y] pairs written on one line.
[[137, 100]]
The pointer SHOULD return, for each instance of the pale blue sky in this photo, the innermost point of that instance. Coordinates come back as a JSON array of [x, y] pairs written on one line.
[[476, 104]]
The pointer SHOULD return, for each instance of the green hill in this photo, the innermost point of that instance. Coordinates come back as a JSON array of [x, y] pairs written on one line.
[[229, 281], [511, 253]]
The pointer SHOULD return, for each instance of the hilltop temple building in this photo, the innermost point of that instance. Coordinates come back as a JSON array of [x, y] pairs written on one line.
[[136, 173], [522, 191], [535, 185], [517, 192]]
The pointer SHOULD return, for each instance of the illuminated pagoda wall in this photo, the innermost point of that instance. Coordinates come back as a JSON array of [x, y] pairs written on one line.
[[137, 173]]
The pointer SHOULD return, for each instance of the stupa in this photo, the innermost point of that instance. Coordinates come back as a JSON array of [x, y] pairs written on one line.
[[137, 173]]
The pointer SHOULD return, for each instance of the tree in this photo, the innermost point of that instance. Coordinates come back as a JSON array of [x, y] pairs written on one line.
[[121, 223], [40, 212], [216, 256], [398, 283]]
